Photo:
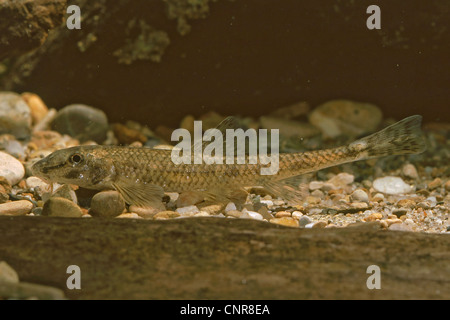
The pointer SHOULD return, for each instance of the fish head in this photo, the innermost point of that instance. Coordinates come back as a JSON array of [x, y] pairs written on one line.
[[81, 165]]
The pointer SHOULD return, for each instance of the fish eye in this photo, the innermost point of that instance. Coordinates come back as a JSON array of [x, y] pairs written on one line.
[[76, 158]]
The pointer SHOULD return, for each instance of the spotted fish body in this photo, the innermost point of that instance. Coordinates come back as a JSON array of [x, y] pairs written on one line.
[[142, 175]]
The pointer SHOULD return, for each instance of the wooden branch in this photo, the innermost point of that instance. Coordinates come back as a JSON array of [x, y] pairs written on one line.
[[213, 258]]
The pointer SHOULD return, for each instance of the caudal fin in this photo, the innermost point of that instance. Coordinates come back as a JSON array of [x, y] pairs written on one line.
[[403, 137]]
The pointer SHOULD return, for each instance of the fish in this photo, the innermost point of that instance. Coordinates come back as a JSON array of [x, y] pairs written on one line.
[[142, 175]]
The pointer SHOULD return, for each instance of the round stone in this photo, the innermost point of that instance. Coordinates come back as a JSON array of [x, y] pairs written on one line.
[[15, 116], [359, 196], [107, 204], [16, 208], [61, 207], [11, 168], [391, 185]]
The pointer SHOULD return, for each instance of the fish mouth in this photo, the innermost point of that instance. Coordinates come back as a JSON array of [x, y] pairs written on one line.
[[41, 167]]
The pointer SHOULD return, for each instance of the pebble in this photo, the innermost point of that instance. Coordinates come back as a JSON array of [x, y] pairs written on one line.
[[189, 198], [147, 212], [127, 135], [289, 128], [11, 146], [188, 123], [285, 221], [233, 213], [11, 168], [107, 204], [212, 208], [399, 213], [16, 208], [265, 213], [246, 214], [434, 184], [359, 196], [187, 209], [410, 171], [230, 207], [313, 200], [320, 224], [297, 215], [344, 117], [391, 185], [66, 192], [359, 205], [7, 273], [406, 203], [447, 185], [35, 182], [129, 215], [304, 220], [61, 207], [81, 122], [166, 215], [374, 216], [15, 115], [282, 214], [315, 185], [38, 109], [400, 227], [341, 180]]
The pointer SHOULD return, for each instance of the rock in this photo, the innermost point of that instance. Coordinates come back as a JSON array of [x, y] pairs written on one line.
[[320, 224], [246, 214], [374, 216], [189, 198], [312, 200], [11, 168], [5, 189], [447, 185], [66, 192], [292, 111], [410, 171], [406, 203], [304, 220], [38, 109], [391, 185], [147, 212], [434, 184], [61, 207], [127, 135], [344, 117], [129, 215], [359, 205], [16, 208], [400, 227], [318, 194], [35, 182], [233, 213], [341, 180], [15, 115], [202, 214], [230, 206], [289, 128], [187, 209], [7, 273], [268, 203], [378, 197], [285, 221], [265, 213], [166, 215], [188, 123], [81, 122], [297, 215], [212, 208], [315, 185], [359, 196], [282, 214], [11, 146], [107, 204]]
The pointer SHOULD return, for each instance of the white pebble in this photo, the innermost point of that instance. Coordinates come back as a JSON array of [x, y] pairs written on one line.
[[11, 168], [391, 185], [359, 196], [188, 209], [251, 215], [268, 203], [230, 206], [33, 182]]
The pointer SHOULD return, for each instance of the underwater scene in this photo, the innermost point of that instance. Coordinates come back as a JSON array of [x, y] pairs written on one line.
[[224, 150]]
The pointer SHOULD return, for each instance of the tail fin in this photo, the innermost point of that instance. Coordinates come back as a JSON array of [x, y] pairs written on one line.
[[403, 137]]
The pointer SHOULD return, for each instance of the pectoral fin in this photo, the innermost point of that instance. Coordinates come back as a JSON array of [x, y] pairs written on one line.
[[139, 194]]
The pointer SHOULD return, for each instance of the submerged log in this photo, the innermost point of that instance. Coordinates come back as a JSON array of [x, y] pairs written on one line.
[[213, 258]]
